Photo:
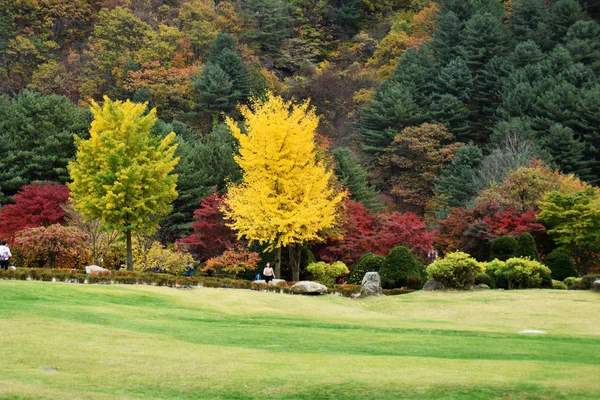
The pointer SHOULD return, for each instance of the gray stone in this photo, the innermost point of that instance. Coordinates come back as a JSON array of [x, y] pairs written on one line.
[[95, 270], [371, 285], [596, 285], [48, 369], [308, 287], [433, 285], [481, 286]]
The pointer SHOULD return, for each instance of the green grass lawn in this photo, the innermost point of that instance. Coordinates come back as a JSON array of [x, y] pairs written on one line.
[[131, 342]]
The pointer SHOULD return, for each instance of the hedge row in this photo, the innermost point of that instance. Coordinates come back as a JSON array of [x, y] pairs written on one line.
[[133, 278]]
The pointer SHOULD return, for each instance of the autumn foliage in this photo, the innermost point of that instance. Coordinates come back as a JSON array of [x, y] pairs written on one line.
[[235, 260], [366, 232], [53, 246], [211, 236], [35, 205]]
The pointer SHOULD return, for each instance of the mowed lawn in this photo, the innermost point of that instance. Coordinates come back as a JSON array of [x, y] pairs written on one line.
[[133, 342]]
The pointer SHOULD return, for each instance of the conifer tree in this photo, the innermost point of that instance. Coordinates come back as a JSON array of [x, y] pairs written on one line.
[[354, 177], [530, 20], [36, 132], [223, 53], [456, 181], [122, 175], [285, 197], [269, 23], [392, 109], [216, 91], [447, 40]]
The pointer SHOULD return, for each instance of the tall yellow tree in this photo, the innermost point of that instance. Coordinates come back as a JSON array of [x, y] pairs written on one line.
[[286, 197], [122, 174]]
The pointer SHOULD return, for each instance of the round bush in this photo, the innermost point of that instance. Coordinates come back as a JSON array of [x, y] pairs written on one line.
[[402, 269], [327, 273], [526, 248], [457, 270], [558, 285], [559, 262], [367, 263], [571, 281], [503, 247], [521, 273], [490, 269]]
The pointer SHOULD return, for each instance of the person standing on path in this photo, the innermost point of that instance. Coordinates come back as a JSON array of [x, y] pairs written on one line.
[[268, 273], [5, 255]]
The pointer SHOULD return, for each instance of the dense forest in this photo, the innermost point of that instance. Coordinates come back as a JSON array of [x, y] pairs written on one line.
[[451, 123]]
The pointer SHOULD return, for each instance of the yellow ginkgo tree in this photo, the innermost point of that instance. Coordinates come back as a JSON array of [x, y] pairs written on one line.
[[122, 174], [286, 197]]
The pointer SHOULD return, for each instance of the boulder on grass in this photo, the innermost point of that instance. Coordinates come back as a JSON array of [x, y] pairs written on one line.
[[596, 286], [433, 285], [481, 286], [371, 285], [308, 287], [94, 270]]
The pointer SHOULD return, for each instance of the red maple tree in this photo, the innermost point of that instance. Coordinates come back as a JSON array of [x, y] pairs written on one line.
[[211, 236], [38, 204]]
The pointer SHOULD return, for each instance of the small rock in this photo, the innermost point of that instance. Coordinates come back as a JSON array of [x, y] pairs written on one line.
[[308, 287], [481, 286], [433, 285], [93, 270], [48, 369], [371, 285]]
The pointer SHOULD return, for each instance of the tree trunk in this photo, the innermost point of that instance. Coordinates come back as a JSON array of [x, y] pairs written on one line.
[[129, 252], [295, 254], [278, 263]]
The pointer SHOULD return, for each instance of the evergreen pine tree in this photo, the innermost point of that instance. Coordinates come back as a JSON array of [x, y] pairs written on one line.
[[447, 38], [392, 109], [484, 38], [563, 15], [455, 78], [223, 53], [583, 42], [530, 20], [456, 181], [354, 177], [453, 113], [216, 91], [269, 23]]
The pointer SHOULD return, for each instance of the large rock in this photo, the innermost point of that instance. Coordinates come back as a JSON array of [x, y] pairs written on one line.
[[308, 287], [371, 285], [433, 285], [93, 270], [596, 285], [481, 286]]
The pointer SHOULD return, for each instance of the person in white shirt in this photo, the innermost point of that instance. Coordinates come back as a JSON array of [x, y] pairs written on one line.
[[5, 255], [268, 273]]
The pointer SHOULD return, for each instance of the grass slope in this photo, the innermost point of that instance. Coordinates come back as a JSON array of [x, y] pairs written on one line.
[[132, 342]]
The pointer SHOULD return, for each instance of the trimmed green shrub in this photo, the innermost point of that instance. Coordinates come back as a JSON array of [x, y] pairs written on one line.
[[521, 273], [490, 270], [368, 262], [402, 269], [559, 262], [327, 273], [585, 283], [526, 248], [571, 281], [503, 247], [457, 270], [558, 285]]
